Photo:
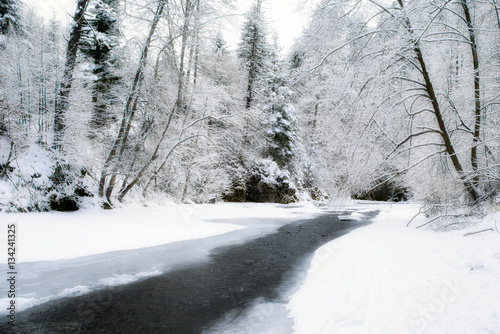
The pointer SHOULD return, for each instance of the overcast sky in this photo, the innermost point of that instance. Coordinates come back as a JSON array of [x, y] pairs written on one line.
[[283, 15]]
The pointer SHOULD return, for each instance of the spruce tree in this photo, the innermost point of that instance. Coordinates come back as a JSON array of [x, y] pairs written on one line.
[[101, 38], [254, 51], [9, 16], [281, 122]]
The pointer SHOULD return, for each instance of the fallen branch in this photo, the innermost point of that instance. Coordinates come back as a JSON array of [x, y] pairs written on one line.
[[419, 212], [477, 232]]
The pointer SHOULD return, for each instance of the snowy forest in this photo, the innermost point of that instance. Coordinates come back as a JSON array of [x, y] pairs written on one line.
[[139, 101]]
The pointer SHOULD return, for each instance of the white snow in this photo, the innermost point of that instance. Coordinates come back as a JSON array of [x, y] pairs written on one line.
[[261, 317], [381, 278], [386, 278], [55, 236], [68, 254]]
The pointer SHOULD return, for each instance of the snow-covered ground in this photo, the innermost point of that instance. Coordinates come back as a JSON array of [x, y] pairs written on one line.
[[66, 254], [53, 236], [387, 278], [382, 278]]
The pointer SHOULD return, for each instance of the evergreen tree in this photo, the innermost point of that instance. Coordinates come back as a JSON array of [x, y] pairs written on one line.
[[101, 38], [9, 16], [218, 66], [281, 123], [254, 51]]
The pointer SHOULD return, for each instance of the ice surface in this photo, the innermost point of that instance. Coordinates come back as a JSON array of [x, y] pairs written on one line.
[[66, 254]]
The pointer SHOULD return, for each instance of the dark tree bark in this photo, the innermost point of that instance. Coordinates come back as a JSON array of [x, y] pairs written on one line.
[[188, 13], [62, 98], [443, 131], [477, 92], [251, 76]]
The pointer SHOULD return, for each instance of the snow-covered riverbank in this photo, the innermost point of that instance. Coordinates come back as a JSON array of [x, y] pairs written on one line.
[[68, 254], [387, 278], [381, 278]]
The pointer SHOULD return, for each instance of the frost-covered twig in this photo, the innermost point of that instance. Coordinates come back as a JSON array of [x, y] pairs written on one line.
[[449, 225], [439, 217], [331, 52], [207, 117]]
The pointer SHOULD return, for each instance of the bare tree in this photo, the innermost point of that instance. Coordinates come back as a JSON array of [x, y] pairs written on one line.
[[109, 170], [391, 65]]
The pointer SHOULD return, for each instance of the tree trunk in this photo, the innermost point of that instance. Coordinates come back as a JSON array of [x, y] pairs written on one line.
[[251, 72], [197, 44], [62, 98], [188, 12], [180, 104], [477, 92], [115, 154], [443, 131]]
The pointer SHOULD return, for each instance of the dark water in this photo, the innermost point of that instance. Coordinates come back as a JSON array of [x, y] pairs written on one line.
[[191, 299]]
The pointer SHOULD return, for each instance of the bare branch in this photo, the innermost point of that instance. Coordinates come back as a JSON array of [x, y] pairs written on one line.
[[331, 52], [410, 80], [413, 135], [206, 117], [439, 217]]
